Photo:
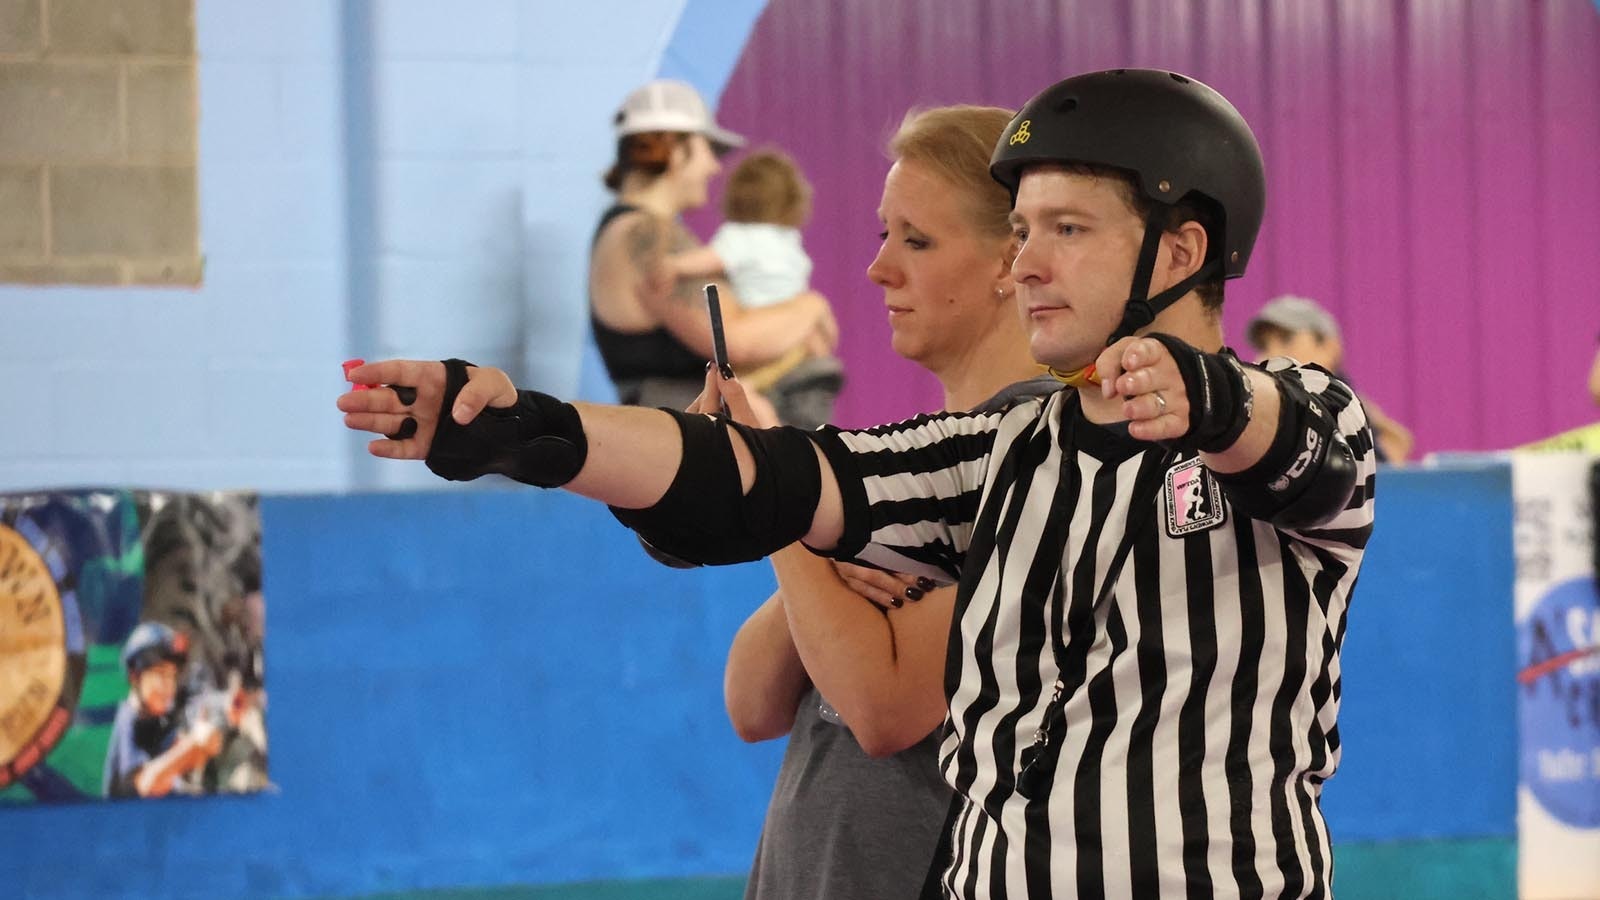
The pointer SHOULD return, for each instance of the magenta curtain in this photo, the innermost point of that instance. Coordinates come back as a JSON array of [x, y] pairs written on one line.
[[1431, 170]]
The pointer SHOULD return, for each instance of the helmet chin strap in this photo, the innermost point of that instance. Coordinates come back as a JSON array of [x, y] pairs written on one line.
[[1141, 309]]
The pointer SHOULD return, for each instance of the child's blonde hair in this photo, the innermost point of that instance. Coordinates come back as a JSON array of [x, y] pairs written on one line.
[[767, 187]]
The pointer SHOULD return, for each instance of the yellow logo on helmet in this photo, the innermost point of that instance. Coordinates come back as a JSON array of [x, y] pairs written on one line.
[[1021, 135]]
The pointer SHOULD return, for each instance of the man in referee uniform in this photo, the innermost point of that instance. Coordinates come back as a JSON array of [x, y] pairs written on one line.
[[1154, 564]]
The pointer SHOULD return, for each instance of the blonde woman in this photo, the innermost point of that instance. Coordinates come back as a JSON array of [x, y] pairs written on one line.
[[858, 688]]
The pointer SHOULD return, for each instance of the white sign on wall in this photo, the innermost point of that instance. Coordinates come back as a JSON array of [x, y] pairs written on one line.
[[1558, 679]]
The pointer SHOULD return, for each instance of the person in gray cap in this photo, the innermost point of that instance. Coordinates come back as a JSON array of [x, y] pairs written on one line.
[[652, 331], [1299, 328]]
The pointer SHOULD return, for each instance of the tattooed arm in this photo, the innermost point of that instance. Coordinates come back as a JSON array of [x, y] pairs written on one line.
[[696, 262], [755, 336]]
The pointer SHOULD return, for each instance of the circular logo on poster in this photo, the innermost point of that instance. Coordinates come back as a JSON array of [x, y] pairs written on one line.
[[36, 667], [1559, 652]]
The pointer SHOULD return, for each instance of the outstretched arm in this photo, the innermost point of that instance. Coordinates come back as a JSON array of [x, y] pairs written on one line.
[[629, 457], [697, 487], [1287, 446]]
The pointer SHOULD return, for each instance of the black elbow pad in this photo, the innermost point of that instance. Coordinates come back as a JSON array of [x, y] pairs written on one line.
[[704, 517], [1326, 492], [1308, 474]]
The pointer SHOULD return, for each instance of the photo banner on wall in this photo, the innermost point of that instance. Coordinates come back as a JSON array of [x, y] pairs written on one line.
[[1558, 696], [131, 626]]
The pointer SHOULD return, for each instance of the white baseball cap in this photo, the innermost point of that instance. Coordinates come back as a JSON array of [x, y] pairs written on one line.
[[667, 105]]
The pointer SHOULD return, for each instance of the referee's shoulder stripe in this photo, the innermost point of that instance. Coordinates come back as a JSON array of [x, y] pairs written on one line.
[[887, 460], [919, 429], [917, 510]]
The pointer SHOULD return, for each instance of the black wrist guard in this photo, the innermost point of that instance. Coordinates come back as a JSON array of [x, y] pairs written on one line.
[[705, 517], [1220, 399], [1308, 474], [537, 441]]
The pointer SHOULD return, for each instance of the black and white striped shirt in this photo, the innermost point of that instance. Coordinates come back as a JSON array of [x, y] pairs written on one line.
[[1201, 686]]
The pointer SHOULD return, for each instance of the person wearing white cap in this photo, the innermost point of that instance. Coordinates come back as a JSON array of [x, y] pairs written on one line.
[[652, 331], [1299, 328]]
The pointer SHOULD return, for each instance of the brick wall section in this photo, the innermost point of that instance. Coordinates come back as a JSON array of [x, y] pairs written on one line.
[[98, 146]]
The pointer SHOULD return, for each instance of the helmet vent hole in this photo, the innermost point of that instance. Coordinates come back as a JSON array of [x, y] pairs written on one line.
[[1178, 78], [1068, 105]]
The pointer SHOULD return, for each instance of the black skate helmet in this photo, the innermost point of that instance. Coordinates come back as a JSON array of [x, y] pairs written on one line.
[[1178, 139]]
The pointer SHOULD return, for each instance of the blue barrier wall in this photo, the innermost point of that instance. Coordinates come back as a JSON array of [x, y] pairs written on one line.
[[464, 688], [497, 687], [1429, 718]]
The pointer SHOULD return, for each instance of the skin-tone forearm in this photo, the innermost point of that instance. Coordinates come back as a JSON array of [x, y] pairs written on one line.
[[883, 673], [764, 679], [701, 262], [634, 454], [1394, 439], [760, 335], [156, 777], [754, 336]]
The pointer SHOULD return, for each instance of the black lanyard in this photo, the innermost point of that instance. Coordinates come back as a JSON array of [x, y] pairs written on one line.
[[1037, 765]]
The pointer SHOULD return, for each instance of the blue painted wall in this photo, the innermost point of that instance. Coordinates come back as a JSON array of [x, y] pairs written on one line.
[[496, 687], [377, 178], [209, 387]]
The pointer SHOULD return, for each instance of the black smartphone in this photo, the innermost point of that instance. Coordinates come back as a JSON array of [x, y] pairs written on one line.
[[719, 342]]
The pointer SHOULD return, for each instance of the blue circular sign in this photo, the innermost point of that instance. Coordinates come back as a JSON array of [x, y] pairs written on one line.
[[1559, 678]]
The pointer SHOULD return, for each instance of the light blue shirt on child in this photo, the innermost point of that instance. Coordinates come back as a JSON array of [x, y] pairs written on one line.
[[765, 263]]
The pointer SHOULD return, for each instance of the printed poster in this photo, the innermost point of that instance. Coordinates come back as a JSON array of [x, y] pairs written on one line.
[[131, 627]]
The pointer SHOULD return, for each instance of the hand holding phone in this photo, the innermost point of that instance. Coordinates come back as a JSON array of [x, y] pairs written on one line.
[[719, 341]]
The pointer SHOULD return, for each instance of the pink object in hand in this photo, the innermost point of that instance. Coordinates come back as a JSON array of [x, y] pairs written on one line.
[[351, 364]]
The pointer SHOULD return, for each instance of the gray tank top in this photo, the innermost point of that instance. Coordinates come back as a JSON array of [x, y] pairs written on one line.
[[845, 826]]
